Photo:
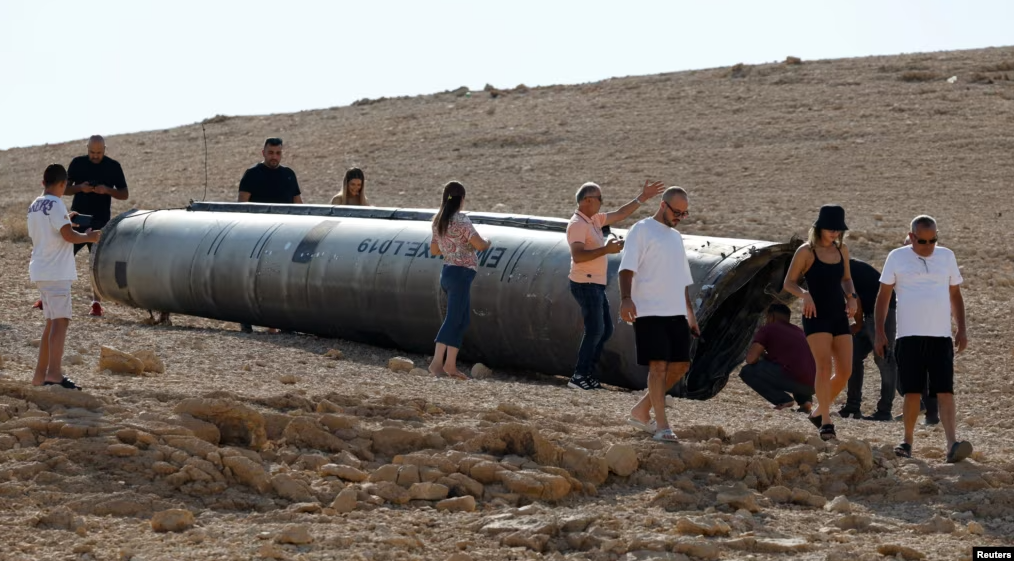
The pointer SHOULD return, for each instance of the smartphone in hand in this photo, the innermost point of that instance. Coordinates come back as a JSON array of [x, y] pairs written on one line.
[[82, 220]]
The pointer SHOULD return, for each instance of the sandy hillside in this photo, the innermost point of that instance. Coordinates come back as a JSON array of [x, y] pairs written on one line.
[[276, 450]]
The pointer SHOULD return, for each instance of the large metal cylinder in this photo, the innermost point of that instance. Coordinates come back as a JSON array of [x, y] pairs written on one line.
[[366, 274]]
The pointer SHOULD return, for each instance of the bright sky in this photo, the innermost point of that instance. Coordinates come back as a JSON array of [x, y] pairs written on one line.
[[73, 68]]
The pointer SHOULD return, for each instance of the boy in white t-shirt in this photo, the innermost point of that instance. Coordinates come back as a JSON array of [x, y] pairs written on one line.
[[654, 280], [927, 280], [52, 270]]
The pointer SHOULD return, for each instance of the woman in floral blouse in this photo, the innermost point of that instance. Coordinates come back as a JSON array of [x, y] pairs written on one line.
[[456, 239]]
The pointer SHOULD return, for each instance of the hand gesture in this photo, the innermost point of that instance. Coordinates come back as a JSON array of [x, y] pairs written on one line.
[[100, 189], [85, 187], [880, 343], [628, 311], [614, 246], [960, 341], [809, 308], [651, 190]]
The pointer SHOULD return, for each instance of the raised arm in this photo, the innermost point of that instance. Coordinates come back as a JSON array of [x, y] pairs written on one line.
[[801, 263], [649, 191]]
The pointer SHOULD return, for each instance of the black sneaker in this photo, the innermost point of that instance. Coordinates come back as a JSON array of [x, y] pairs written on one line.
[[847, 412], [932, 420], [879, 416], [581, 383], [594, 383]]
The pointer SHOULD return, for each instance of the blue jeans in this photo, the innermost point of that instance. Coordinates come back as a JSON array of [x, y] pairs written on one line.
[[598, 324], [456, 282]]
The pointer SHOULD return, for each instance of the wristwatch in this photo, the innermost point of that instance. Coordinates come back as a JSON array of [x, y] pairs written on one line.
[[854, 295]]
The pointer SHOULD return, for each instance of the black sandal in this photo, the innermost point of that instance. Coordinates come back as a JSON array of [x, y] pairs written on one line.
[[903, 450], [64, 382], [827, 432], [817, 421]]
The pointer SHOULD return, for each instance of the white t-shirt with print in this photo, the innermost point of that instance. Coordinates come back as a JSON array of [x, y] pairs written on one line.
[[655, 253], [923, 285], [52, 256]]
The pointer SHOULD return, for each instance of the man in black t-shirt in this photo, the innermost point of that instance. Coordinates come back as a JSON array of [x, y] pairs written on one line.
[[95, 180], [269, 182]]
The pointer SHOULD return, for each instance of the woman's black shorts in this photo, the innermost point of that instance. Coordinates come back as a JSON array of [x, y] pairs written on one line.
[[837, 325], [662, 338]]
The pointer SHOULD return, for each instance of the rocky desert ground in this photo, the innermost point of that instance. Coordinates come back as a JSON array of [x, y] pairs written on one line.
[[233, 446]]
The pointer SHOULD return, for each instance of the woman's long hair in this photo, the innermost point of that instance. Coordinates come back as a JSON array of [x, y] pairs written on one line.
[[816, 233], [342, 198], [450, 204]]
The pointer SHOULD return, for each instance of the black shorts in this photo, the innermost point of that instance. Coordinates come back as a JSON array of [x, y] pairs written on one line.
[[837, 325], [925, 363], [662, 338]]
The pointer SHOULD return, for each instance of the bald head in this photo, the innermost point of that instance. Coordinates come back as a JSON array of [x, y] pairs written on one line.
[[96, 149]]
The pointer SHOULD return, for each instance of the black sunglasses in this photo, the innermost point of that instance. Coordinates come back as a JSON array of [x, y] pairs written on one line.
[[924, 242], [680, 215]]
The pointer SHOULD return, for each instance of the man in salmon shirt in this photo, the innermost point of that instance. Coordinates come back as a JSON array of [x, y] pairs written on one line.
[[588, 262]]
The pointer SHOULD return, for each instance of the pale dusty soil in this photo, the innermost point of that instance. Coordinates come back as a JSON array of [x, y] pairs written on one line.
[[759, 154]]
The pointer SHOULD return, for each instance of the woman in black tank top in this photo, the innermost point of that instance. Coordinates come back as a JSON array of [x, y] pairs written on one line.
[[829, 300]]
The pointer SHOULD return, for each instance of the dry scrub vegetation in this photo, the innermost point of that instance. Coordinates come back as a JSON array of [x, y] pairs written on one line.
[[257, 446]]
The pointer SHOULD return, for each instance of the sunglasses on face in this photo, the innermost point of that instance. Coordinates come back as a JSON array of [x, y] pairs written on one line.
[[680, 215], [924, 242]]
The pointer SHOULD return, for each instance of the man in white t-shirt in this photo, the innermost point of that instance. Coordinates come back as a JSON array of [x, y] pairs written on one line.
[[654, 287], [52, 270], [927, 280]]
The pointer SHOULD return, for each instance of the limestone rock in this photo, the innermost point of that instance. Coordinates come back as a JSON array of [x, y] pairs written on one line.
[[778, 494], [60, 518], [769, 545], [936, 525], [390, 492], [853, 522], [345, 501], [536, 485], [739, 498], [481, 372], [702, 527], [893, 550], [248, 472], [975, 528], [151, 361], [304, 432], [416, 371], [74, 360], [460, 556], [334, 354], [236, 421], [428, 491], [296, 534], [288, 379], [390, 441], [622, 459], [840, 504], [172, 520], [120, 362], [534, 542], [400, 364], [806, 498], [745, 448], [458, 504], [121, 450], [860, 449], [292, 489], [462, 484]]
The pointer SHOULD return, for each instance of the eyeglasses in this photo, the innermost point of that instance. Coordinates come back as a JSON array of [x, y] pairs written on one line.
[[680, 215], [924, 242]]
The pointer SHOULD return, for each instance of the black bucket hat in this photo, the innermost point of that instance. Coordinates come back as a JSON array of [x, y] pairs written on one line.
[[831, 217]]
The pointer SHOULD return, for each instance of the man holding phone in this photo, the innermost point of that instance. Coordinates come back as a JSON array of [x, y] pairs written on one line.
[[95, 180], [586, 235]]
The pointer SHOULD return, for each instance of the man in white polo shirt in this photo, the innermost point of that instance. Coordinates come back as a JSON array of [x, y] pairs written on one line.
[[654, 288], [927, 280]]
